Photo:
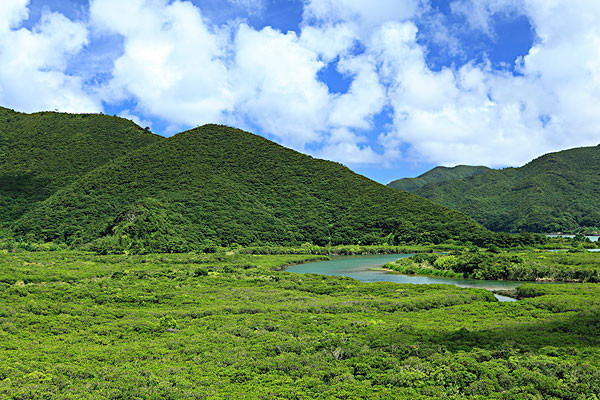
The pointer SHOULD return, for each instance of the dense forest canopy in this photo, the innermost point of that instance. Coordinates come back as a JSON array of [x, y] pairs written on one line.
[[43, 152], [219, 185], [216, 326], [557, 192], [437, 175]]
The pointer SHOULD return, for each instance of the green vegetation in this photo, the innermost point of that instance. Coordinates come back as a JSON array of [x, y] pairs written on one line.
[[437, 175], [218, 186], [43, 152], [557, 192], [213, 326], [517, 266], [579, 242], [348, 250], [226, 320], [426, 264], [104, 184]]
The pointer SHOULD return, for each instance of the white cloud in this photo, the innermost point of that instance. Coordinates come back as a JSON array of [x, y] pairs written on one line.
[[346, 147], [172, 60], [12, 13], [476, 115], [329, 41], [128, 114], [364, 99], [367, 14], [277, 86], [178, 66], [33, 62], [183, 70]]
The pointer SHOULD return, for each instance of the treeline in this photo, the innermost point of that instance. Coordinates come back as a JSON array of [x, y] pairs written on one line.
[[559, 266]]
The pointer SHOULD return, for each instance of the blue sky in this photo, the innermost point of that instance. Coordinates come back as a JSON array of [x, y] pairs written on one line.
[[389, 88]]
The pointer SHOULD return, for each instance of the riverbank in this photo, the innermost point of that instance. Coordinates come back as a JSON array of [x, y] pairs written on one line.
[[348, 250], [575, 267], [369, 269], [500, 293]]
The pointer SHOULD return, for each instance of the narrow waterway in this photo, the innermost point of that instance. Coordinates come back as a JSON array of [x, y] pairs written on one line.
[[593, 238], [361, 269]]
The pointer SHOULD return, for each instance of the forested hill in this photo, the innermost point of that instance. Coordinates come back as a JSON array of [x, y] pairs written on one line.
[[219, 185], [437, 175], [42, 152], [556, 192]]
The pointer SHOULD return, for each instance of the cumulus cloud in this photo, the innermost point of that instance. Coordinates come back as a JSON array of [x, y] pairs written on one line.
[[346, 146], [474, 114], [128, 114], [33, 62], [171, 62], [365, 97], [12, 13], [277, 85], [330, 41], [177, 65], [366, 14]]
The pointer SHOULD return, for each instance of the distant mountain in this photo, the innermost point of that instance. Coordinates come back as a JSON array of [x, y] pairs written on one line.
[[437, 175], [554, 193], [43, 152], [219, 185]]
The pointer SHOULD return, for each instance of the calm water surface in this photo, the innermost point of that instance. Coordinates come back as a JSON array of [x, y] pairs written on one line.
[[359, 268], [593, 238]]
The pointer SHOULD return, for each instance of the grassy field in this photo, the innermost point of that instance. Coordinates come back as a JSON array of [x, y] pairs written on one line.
[[216, 326]]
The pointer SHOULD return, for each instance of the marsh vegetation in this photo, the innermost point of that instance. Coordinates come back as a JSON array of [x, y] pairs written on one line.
[[77, 325]]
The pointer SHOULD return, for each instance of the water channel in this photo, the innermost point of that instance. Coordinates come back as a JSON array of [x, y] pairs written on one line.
[[362, 269]]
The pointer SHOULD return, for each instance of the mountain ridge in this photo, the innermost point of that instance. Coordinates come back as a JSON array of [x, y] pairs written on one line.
[[556, 192], [220, 185], [437, 175], [44, 151]]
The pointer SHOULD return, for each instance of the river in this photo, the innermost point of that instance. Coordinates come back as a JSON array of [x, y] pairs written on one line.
[[593, 238], [361, 269]]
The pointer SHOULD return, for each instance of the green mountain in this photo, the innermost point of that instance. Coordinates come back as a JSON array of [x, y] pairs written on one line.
[[437, 175], [219, 185], [553, 193], [43, 152]]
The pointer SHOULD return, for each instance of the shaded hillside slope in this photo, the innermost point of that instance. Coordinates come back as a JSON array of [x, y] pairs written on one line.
[[43, 152], [556, 192], [437, 175], [220, 185]]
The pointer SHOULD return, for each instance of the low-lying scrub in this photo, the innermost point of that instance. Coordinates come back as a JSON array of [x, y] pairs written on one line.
[[531, 266], [82, 326]]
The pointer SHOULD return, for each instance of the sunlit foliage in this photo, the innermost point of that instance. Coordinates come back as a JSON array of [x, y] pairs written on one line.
[[220, 186], [554, 193], [44, 152], [80, 326]]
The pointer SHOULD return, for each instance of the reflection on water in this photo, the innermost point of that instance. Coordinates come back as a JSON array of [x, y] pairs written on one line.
[[359, 268]]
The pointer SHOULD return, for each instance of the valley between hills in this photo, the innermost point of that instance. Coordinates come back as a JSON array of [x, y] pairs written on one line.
[[134, 266]]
